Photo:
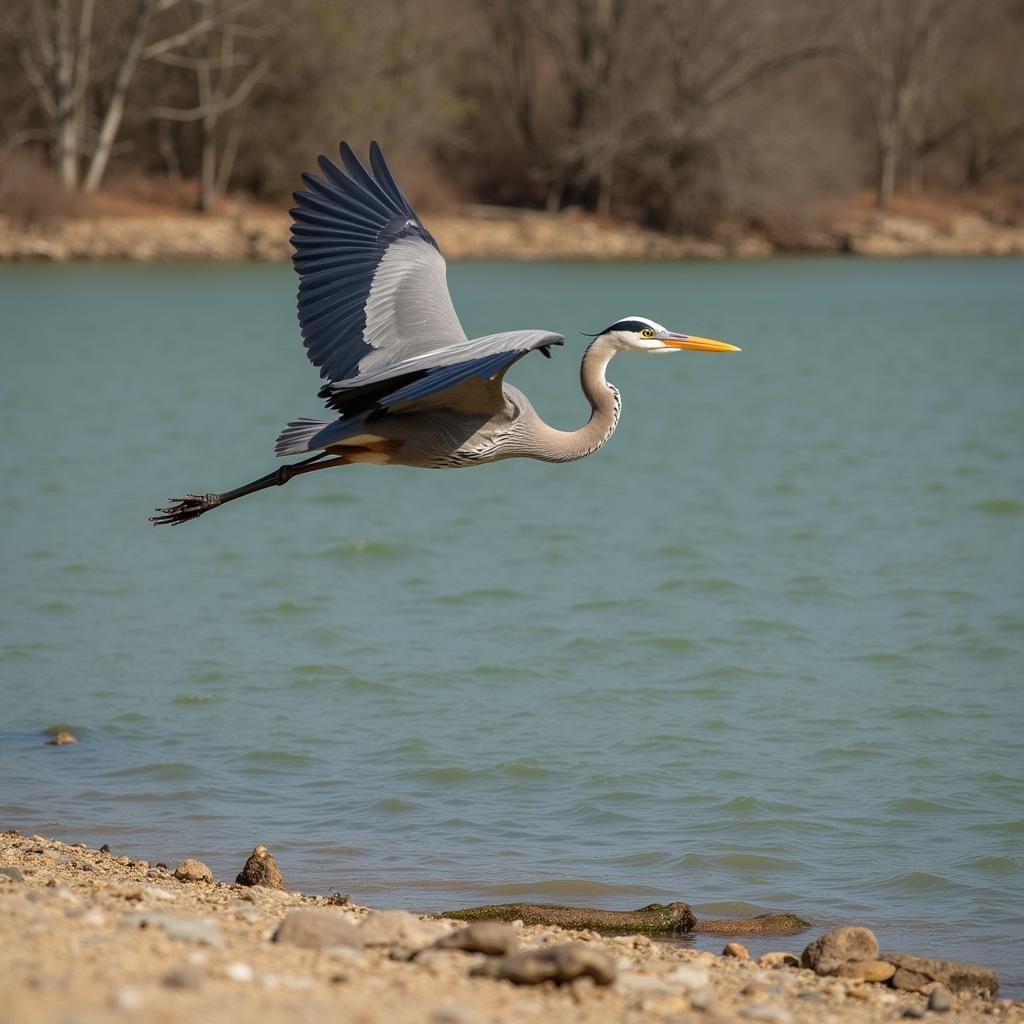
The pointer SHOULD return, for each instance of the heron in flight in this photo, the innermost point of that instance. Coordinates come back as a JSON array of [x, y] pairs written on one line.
[[407, 386]]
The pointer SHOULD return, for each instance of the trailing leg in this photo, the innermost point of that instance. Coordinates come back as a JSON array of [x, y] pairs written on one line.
[[191, 506]]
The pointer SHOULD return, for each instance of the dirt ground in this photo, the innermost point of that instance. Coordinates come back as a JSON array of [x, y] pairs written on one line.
[[87, 936]]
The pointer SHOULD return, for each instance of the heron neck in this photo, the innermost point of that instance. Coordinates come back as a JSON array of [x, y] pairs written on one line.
[[605, 406]]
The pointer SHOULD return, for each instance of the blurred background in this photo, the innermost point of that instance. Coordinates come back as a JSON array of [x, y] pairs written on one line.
[[700, 116]]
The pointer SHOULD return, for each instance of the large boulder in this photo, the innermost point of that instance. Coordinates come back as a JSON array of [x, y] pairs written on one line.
[[838, 947], [261, 869], [914, 973]]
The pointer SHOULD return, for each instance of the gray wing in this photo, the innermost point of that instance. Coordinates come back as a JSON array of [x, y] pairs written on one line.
[[372, 283], [374, 307]]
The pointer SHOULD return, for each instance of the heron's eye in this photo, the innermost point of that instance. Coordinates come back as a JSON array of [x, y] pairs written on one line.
[[647, 333]]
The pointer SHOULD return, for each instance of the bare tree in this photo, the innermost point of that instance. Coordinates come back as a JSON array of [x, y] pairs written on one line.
[[893, 50], [58, 55], [226, 68]]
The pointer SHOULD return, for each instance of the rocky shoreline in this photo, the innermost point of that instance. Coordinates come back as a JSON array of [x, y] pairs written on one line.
[[489, 234], [86, 936]]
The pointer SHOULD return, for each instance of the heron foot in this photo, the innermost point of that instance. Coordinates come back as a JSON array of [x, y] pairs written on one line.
[[190, 507]]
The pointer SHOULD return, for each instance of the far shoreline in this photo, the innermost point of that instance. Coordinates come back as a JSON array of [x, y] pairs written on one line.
[[249, 234]]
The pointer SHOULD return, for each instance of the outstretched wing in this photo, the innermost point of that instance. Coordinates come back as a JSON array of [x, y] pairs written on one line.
[[372, 285]]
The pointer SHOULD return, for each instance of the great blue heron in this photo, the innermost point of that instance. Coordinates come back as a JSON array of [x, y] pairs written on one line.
[[409, 387]]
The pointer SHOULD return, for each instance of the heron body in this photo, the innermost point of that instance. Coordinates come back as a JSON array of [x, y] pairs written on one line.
[[405, 384]]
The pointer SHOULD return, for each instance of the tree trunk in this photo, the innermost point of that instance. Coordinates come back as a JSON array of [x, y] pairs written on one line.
[[208, 164], [887, 160], [115, 108], [66, 115]]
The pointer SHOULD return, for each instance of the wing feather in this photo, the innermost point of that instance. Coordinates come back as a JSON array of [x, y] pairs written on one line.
[[374, 308]]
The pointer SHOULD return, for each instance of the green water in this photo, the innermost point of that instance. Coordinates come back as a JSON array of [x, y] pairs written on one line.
[[763, 651]]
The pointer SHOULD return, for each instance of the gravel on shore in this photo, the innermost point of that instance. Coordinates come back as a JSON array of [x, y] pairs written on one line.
[[87, 936]]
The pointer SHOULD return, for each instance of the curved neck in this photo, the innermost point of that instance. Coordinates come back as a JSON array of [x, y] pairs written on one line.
[[605, 406]]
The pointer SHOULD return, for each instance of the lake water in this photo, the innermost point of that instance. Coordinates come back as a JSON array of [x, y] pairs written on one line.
[[763, 651]]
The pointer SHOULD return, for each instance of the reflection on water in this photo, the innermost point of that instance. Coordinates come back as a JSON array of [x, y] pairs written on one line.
[[764, 651]]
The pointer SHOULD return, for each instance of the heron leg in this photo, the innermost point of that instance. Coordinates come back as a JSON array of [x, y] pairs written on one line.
[[191, 506]]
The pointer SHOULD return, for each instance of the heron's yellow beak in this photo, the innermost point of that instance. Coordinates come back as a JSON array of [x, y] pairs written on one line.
[[699, 344]]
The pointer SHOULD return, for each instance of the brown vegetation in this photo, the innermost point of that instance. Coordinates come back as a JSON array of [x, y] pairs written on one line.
[[707, 117]]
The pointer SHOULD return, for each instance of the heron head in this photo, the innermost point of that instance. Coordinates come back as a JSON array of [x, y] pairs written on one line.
[[639, 334]]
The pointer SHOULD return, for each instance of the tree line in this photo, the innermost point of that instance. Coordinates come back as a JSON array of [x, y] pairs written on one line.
[[679, 114]]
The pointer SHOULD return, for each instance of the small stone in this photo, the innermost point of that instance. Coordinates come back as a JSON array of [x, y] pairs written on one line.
[[702, 1000], [940, 1001], [913, 1012], [811, 996], [866, 970], [105, 848], [824, 955], [183, 977], [689, 976], [453, 1015], [736, 949], [782, 958], [555, 963], [491, 937], [399, 928], [142, 865], [128, 998], [645, 984], [12, 873], [441, 961], [317, 929], [61, 739], [239, 971], [179, 926], [155, 893], [89, 916], [768, 1012], [261, 869], [193, 871]]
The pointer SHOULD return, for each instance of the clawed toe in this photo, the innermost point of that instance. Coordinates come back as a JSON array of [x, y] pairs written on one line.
[[189, 507]]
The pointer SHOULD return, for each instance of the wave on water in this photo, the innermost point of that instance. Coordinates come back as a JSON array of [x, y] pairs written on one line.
[[994, 865], [741, 862], [568, 889], [919, 806], [918, 882], [277, 758], [165, 771], [377, 551]]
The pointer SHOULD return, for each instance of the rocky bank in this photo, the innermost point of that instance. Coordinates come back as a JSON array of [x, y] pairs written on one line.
[[87, 936], [494, 234]]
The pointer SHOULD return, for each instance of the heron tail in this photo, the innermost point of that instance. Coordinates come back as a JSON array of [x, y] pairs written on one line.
[[296, 436]]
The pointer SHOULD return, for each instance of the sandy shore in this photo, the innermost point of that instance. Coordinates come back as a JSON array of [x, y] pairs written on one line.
[[86, 936], [243, 233]]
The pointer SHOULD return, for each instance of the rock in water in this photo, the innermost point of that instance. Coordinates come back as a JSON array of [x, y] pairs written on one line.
[[491, 937], [650, 920], [839, 946], [61, 739], [193, 871], [261, 869], [913, 973], [317, 929], [736, 949], [556, 963]]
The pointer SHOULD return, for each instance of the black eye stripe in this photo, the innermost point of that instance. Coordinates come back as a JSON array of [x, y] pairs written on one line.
[[629, 325]]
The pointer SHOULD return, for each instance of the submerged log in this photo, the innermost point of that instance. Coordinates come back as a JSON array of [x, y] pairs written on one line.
[[654, 919]]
